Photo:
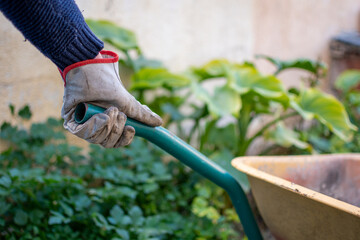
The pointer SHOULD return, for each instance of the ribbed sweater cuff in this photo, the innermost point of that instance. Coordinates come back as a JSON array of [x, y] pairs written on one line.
[[85, 46]]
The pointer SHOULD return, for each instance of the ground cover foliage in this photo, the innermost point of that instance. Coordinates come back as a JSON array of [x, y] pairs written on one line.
[[52, 190]]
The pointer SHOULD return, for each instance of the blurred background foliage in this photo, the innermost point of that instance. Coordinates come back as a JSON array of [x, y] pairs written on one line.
[[50, 189]]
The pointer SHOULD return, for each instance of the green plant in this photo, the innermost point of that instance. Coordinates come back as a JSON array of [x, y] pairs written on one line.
[[347, 85], [52, 190], [241, 97], [244, 94]]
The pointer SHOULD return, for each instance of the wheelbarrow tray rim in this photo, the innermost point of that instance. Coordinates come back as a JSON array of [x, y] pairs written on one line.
[[242, 164]]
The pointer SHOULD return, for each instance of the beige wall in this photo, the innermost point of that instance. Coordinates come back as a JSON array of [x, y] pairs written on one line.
[[181, 33], [290, 29]]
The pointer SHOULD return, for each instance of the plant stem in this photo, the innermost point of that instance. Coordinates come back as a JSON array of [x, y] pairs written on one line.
[[268, 125], [243, 124], [193, 129]]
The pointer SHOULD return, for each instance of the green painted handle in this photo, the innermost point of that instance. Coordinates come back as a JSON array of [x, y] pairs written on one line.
[[193, 159]]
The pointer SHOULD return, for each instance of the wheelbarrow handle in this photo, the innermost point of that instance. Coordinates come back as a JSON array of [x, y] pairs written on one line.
[[192, 158]]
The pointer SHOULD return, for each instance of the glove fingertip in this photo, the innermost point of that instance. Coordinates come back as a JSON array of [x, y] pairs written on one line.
[[127, 136], [153, 119]]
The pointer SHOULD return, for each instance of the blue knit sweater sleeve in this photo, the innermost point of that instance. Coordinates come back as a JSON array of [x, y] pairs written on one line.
[[56, 27]]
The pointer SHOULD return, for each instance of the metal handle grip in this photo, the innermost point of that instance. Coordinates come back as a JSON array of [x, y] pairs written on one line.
[[191, 158]]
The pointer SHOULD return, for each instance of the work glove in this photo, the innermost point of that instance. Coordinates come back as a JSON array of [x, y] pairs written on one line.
[[97, 81]]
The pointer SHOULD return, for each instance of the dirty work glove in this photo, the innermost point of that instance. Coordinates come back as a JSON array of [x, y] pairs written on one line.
[[97, 81]]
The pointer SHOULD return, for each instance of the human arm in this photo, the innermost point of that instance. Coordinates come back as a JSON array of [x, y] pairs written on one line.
[[57, 28]]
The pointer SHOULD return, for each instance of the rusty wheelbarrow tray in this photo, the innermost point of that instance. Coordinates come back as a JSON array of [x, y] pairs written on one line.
[[306, 197]]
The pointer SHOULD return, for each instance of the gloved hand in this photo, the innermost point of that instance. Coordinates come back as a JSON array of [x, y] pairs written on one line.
[[97, 81]]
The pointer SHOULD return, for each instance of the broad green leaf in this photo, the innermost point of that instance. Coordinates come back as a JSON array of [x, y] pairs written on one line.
[[286, 137], [348, 80], [300, 63], [200, 92], [247, 80], [21, 217], [222, 137], [313, 103], [215, 68], [149, 78], [225, 101], [25, 112], [119, 37]]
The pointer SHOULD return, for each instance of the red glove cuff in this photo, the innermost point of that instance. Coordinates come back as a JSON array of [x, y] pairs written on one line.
[[109, 57]]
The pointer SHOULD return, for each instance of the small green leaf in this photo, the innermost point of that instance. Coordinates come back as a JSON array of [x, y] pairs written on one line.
[[25, 112], [313, 103], [5, 181], [150, 187], [4, 207], [201, 208], [36, 216], [225, 101], [286, 137], [21, 217], [245, 80], [99, 220], [55, 220], [117, 214], [82, 202], [67, 209], [123, 234], [14, 172], [136, 215], [348, 80]]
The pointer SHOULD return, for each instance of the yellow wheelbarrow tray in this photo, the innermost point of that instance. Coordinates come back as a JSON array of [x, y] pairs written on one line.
[[289, 192]]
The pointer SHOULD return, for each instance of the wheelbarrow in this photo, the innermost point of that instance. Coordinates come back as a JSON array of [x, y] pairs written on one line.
[[274, 197], [306, 197]]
